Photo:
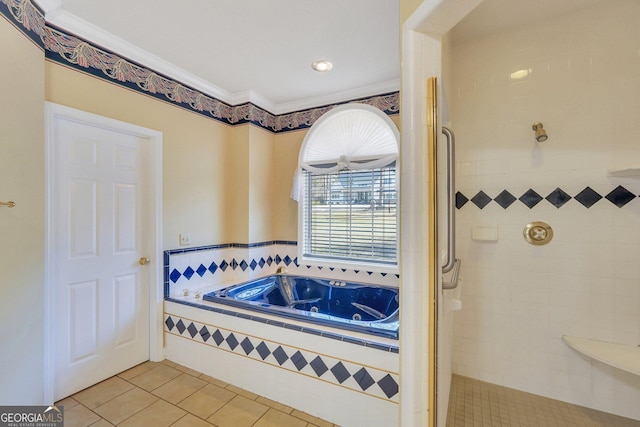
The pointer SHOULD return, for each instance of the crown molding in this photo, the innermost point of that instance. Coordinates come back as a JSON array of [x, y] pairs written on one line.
[[48, 5], [338, 97], [77, 26], [58, 17], [238, 98]]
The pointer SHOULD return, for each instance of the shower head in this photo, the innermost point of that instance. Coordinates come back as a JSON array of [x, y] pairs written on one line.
[[541, 134]]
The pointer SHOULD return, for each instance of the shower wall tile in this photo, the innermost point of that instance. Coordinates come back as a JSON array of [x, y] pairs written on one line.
[[518, 300]]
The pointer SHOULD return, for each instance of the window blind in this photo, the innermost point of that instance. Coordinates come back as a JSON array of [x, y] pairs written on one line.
[[351, 215]]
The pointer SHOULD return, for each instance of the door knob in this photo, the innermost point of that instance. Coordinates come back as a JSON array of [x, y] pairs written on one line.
[[144, 260]]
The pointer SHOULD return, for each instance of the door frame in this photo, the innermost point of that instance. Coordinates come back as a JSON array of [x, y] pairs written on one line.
[[152, 158], [422, 38]]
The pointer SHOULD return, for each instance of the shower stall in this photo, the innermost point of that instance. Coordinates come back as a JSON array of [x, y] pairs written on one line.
[[574, 182]]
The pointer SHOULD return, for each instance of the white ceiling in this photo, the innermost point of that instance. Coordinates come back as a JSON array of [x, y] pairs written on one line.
[[261, 50], [250, 50], [495, 16]]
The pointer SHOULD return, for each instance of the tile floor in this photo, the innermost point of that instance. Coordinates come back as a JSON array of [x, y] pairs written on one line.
[[477, 403], [167, 394]]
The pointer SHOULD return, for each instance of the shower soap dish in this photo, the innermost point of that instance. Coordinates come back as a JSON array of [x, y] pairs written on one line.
[[624, 172], [621, 356]]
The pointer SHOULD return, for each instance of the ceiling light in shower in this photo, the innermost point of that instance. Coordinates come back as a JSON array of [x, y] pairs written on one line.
[[520, 74], [322, 65]]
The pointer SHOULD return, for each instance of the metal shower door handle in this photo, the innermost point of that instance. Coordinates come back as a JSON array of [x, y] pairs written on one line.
[[452, 262]]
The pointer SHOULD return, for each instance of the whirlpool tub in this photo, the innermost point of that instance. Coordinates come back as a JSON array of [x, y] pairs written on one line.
[[358, 307]]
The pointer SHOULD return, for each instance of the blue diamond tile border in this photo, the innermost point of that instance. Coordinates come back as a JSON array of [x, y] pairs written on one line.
[[370, 380], [298, 360], [201, 270], [620, 196], [461, 200], [214, 260], [318, 366], [558, 198], [588, 197], [340, 372], [481, 199], [505, 199], [530, 198]]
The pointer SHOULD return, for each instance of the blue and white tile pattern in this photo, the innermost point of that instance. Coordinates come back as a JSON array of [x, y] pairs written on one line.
[[340, 372], [619, 196]]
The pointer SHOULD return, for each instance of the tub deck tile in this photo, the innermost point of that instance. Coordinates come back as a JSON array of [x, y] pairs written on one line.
[[318, 364]]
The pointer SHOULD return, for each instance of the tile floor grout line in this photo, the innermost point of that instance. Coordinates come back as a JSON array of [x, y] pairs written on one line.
[[471, 399], [173, 404], [233, 390]]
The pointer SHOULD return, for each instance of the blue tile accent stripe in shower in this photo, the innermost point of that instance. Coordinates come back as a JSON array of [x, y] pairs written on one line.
[[366, 379], [588, 197]]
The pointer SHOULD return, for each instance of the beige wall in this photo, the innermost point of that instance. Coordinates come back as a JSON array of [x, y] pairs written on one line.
[[22, 227], [237, 173], [285, 210], [262, 185], [194, 152], [221, 183]]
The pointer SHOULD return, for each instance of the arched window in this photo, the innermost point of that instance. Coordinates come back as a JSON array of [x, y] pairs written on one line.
[[347, 189]]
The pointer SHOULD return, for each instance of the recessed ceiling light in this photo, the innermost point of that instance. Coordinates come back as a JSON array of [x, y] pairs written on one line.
[[322, 65], [520, 74]]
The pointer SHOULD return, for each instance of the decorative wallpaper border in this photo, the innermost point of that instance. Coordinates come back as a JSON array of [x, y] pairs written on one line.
[[348, 374], [72, 51], [588, 197], [27, 17]]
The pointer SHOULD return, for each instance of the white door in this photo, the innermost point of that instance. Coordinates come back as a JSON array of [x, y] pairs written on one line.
[[100, 287]]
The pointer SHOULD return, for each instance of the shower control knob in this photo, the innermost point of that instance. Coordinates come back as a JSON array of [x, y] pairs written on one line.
[[144, 260]]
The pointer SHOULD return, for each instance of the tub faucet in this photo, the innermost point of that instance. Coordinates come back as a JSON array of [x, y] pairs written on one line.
[[281, 270]]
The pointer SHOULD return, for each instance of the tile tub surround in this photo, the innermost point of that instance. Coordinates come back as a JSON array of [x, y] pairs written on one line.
[[320, 366], [518, 299], [305, 371], [208, 268]]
